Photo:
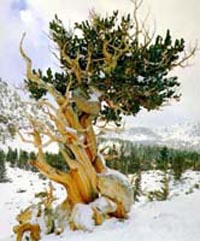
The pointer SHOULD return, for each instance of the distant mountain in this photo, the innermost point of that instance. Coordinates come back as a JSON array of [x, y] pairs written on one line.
[[180, 136]]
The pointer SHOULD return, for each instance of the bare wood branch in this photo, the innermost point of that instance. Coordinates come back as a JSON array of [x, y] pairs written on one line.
[[51, 173], [23, 138], [36, 78], [29, 73], [89, 61], [137, 5], [46, 144], [73, 64], [71, 163], [187, 55]]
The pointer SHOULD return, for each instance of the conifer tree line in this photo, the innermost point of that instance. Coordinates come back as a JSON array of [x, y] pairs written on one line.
[[20, 158], [124, 156], [130, 158]]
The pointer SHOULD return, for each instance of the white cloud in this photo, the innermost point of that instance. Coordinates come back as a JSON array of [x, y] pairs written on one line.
[[27, 17], [13, 22]]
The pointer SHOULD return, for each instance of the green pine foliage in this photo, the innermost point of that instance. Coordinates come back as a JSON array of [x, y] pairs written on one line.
[[3, 176], [12, 156], [57, 161], [124, 156], [20, 158], [163, 194], [136, 184], [109, 55], [131, 158], [163, 159], [32, 156], [178, 166], [23, 160]]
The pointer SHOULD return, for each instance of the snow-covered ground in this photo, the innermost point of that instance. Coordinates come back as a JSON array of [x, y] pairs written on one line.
[[177, 219]]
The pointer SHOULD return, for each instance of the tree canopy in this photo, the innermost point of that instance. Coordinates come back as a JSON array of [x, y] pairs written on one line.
[[117, 61]]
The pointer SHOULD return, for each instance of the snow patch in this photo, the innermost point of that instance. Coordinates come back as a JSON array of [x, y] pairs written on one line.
[[176, 219], [82, 217]]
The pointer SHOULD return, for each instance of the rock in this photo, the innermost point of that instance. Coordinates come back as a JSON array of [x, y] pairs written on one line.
[[82, 217], [20, 191], [116, 186], [104, 205]]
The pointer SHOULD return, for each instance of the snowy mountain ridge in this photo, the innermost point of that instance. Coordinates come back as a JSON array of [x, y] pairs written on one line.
[[179, 136]]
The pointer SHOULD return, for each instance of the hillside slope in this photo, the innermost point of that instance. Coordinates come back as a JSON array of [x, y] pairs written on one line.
[[176, 219]]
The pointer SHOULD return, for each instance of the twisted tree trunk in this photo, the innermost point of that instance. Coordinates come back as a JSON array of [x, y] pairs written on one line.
[[88, 179], [81, 180]]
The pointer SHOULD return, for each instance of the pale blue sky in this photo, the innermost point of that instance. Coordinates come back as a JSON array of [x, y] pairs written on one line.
[[19, 5], [32, 16]]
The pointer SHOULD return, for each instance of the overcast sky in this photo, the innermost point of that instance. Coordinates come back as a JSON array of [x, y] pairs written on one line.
[[182, 17]]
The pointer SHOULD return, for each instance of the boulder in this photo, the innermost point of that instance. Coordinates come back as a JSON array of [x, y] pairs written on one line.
[[116, 187], [102, 207]]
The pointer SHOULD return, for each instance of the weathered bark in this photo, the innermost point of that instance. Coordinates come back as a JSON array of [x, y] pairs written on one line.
[[88, 177], [99, 164], [77, 182], [90, 138], [80, 182]]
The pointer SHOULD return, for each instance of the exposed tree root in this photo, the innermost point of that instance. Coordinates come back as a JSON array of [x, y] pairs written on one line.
[[34, 230]]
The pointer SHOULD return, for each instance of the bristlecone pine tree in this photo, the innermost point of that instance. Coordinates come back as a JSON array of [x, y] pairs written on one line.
[[110, 67]]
